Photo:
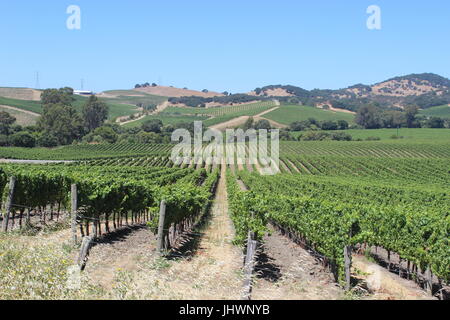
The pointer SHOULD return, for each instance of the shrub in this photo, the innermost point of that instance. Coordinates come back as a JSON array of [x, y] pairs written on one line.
[[341, 136], [23, 139]]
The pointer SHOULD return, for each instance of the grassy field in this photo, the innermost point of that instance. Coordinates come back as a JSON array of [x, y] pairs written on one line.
[[166, 119], [218, 115], [291, 113], [22, 118], [250, 109], [133, 97], [28, 105], [406, 134], [441, 112], [116, 109]]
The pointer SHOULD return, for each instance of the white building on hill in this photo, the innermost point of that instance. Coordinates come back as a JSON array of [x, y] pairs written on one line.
[[83, 93]]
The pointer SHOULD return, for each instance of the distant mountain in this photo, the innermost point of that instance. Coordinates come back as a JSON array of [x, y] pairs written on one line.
[[425, 90]]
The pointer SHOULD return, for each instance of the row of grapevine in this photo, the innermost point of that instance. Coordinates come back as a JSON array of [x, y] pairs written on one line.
[[375, 149], [331, 214], [431, 171], [107, 193]]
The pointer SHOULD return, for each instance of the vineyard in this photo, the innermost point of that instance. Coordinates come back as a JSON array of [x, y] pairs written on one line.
[[337, 200]]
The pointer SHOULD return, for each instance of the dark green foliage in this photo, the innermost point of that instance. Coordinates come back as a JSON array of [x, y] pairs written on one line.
[[22, 139], [95, 112]]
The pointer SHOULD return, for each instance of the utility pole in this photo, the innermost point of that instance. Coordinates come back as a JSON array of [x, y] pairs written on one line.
[[38, 85]]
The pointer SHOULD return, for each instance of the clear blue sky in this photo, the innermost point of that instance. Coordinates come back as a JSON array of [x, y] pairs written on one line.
[[233, 45]]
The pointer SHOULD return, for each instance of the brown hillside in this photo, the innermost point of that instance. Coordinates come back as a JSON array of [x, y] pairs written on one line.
[[20, 93], [176, 92], [277, 92]]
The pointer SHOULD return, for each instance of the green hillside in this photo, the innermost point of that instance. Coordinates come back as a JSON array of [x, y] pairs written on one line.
[[28, 105], [22, 118], [288, 114], [133, 97], [441, 112], [406, 135], [166, 119], [116, 109]]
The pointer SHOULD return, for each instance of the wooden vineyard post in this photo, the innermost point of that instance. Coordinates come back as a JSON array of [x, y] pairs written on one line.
[[8, 204], [74, 199], [348, 266], [84, 251], [249, 266], [429, 281], [161, 231]]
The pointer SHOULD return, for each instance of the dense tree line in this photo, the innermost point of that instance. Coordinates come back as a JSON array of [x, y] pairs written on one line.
[[145, 85], [371, 117], [194, 101], [60, 123], [151, 131]]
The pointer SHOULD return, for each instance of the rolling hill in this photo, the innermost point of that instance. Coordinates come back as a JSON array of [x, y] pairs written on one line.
[[176, 92], [424, 90], [17, 98], [440, 111], [287, 114]]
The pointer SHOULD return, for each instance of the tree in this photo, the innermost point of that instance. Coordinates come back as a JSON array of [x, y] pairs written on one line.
[[95, 112], [393, 119], [6, 120], [342, 125], [47, 140], [150, 107], [58, 96], [329, 125], [435, 122], [411, 112], [63, 122], [263, 124], [341, 136], [23, 139], [149, 137], [154, 125], [106, 133], [368, 116], [248, 124], [299, 125], [4, 140]]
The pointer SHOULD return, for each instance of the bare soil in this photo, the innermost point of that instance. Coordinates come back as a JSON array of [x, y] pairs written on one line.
[[206, 266], [21, 93], [385, 285], [288, 272]]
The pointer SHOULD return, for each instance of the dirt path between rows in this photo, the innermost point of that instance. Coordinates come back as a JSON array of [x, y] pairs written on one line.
[[233, 123], [160, 108], [288, 272], [119, 251], [211, 269]]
